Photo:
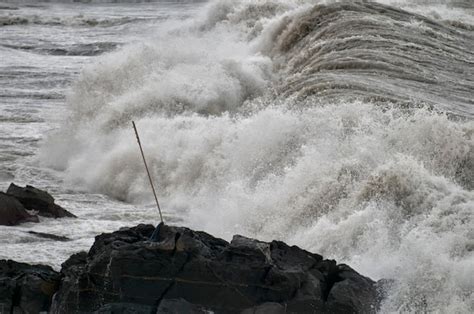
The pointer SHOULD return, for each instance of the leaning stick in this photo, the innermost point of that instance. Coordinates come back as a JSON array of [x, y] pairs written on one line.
[[147, 171]]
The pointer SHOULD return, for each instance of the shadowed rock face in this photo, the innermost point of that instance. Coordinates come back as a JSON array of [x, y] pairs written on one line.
[[36, 199], [12, 211], [193, 272], [26, 288]]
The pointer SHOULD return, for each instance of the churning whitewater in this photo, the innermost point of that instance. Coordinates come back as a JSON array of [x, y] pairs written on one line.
[[343, 127]]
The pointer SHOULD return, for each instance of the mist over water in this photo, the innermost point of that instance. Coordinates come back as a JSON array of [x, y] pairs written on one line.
[[345, 128]]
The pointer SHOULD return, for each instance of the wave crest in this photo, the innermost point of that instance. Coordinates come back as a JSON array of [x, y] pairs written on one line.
[[377, 53]]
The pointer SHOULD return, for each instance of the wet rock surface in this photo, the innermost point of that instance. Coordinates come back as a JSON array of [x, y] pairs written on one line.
[[26, 288], [186, 271], [35, 199], [49, 236], [12, 212]]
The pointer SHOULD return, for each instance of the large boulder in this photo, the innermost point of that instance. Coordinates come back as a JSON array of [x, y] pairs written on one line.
[[39, 200], [187, 271], [26, 288], [12, 212]]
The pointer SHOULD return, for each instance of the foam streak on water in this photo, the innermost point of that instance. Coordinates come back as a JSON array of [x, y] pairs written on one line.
[[345, 128]]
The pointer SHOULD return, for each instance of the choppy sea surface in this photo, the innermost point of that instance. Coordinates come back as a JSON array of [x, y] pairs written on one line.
[[343, 127]]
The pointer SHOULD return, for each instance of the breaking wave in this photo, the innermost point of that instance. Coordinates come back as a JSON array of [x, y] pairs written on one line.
[[345, 128], [378, 54]]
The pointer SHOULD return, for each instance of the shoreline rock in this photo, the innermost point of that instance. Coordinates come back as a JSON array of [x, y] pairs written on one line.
[[12, 211], [39, 200], [17, 201], [191, 271], [26, 288], [186, 271], [49, 236]]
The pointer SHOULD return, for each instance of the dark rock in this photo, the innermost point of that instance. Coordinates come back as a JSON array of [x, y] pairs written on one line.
[[26, 288], [12, 211], [350, 291], [49, 236], [266, 308], [176, 306], [36, 199], [76, 260], [187, 271], [127, 308]]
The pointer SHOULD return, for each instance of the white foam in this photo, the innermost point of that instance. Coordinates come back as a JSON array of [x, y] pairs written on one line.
[[386, 190]]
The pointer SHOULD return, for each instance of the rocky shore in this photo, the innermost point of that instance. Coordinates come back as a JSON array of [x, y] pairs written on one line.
[[24, 204], [171, 269], [178, 270]]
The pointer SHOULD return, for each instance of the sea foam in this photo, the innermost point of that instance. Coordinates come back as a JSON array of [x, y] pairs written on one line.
[[250, 126]]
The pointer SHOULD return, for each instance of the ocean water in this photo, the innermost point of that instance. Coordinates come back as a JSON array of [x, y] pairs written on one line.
[[343, 127]]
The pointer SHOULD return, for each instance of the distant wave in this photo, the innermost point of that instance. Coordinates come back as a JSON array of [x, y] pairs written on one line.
[[4, 6], [100, 1], [77, 20], [90, 49]]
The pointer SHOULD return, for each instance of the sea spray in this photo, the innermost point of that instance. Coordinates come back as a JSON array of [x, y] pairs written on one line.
[[273, 120]]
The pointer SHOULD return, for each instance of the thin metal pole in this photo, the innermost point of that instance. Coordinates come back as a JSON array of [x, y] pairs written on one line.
[[147, 171]]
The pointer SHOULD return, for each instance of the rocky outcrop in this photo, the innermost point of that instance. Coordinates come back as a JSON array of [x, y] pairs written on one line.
[[186, 271], [14, 205], [26, 288], [39, 200], [12, 212], [49, 236]]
